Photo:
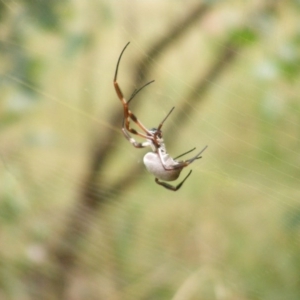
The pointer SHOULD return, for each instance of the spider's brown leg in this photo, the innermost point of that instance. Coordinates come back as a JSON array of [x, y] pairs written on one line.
[[117, 88], [127, 113], [133, 141], [171, 187], [135, 92], [138, 122]]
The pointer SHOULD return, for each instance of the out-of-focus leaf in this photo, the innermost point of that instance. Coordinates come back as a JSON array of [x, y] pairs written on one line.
[[288, 60], [243, 37], [28, 70], [296, 38], [8, 119], [289, 69], [292, 219], [75, 42], [296, 3], [9, 209], [45, 12]]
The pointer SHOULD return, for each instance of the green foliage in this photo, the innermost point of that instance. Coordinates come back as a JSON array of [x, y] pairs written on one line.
[[9, 209], [243, 36], [289, 59], [76, 42], [46, 14]]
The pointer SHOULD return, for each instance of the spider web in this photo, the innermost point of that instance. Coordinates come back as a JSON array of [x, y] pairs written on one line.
[[231, 232]]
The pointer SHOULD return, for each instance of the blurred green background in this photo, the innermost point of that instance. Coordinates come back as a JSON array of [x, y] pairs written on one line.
[[80, 218]]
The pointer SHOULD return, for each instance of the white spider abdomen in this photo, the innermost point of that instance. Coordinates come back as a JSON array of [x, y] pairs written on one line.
[[155, 167]]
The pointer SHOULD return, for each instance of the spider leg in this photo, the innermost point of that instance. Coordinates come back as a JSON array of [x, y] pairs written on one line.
[[125, 132], [132, 140], [138, 90], [119, 60], [163, 121], [185, 163], [185, 153], [135, 92], [172, 187], [189, 161], [180, 164], [129, 115], [127, 112]]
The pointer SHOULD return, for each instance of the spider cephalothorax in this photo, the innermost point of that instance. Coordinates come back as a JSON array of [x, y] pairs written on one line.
[[158, 162]]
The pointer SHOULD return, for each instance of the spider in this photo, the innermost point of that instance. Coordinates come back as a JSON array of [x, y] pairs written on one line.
[[158, 162]]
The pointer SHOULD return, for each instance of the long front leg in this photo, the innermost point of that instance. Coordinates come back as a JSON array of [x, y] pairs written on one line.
[[127, 113]]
